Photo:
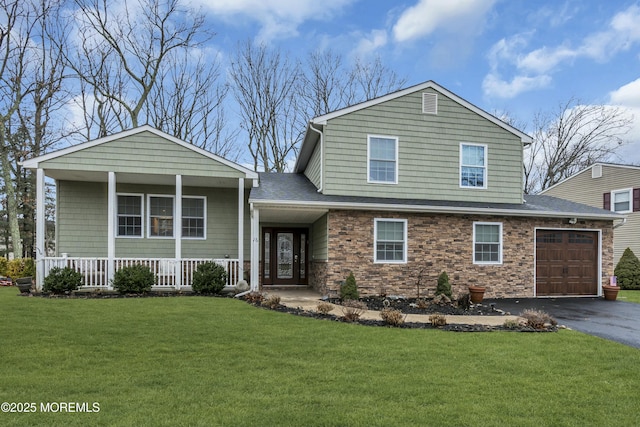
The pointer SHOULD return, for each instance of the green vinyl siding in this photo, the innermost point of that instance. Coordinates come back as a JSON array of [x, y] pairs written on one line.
[[82, 222], [313, 169], [142, 153], [320, 242], [81, 219], [429, 152]]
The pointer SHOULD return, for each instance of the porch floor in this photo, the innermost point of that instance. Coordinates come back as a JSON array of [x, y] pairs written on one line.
[[308, 299]]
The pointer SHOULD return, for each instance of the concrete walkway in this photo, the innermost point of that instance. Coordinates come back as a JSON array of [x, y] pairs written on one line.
[[308, 300]]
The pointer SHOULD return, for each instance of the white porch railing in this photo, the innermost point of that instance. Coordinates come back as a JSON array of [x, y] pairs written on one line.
[[95, 270]]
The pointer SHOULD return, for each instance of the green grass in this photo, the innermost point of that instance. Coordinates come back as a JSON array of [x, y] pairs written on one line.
[[210, 361], [629, 296]]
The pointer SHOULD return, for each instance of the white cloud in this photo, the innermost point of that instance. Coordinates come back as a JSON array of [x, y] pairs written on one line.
[[537, 65], [495, 86], [428, 16], [278, 18], [370, 42], [628, 97]]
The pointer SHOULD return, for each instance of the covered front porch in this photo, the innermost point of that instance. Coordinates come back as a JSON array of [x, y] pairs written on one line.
[[144, 197]]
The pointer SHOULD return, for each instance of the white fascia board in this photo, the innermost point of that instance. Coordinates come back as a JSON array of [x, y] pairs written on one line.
[[431, 209]]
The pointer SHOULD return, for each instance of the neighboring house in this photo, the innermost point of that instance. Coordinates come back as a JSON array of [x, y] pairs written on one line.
[[612, 187], [395, 190]]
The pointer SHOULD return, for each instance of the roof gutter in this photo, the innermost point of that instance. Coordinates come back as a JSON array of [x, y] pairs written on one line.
[[432, 209], [621, 223], [319, 132]]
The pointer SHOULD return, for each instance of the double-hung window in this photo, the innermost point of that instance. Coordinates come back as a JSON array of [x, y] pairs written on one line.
[[382, 164], [193, 217], [473, 165], [390, 244], [621, 200], [487, 243], [129, 215], [160, 216]]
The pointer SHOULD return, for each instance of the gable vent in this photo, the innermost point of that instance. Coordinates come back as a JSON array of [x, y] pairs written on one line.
[[596, 171], [429, 103]]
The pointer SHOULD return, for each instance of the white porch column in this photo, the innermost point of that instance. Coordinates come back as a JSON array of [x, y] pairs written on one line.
[[240, 230], [255, 248], [41, 228], [177, 232], [111, 227]]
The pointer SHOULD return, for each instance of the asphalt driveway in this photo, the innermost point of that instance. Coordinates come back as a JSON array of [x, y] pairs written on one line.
[[613, 320]]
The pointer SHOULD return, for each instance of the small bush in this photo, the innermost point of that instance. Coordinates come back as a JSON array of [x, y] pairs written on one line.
[[438, 319], [273, 302], [4, 264], [254, 298], [537, 319], [511, 324], [134, 279], [392, 317], [628, 270], [324, 307], [349, 290], [209, 278], [21, 267], [422, 304], [352, 310], [444, 287], [464, 301], [62, 280]]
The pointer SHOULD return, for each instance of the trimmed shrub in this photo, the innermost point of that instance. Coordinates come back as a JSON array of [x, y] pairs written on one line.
[[392, 317], [324, 307], [62, 280], [352, 310], [209, 278], [21, 267], [254, 298], [628, 270], [134, 279], [349, 289], [444, 287], [438, 319], [538, 319]]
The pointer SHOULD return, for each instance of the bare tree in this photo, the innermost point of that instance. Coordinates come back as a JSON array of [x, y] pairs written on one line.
[[264, 85], [573, 137], [122, 54], [188, 103], [31, 78], [328, 84]]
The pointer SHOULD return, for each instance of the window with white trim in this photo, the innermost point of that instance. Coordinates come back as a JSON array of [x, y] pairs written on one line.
[[473, 165], [160, 216], [382, 153], [194, 217], [487, 243], [390, 245], [129, 215], [621, 200]]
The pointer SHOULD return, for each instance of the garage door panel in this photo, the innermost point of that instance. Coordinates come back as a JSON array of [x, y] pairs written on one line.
[[566, 263]]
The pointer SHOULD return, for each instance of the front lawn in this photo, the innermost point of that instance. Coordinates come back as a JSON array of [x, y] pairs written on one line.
[[213, 361], [629, 296]]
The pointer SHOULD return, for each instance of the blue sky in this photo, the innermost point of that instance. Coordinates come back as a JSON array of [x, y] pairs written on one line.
[[516, 56]]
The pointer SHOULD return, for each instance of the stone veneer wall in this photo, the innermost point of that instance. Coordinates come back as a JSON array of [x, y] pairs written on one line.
[[440, 242], [318, 276]]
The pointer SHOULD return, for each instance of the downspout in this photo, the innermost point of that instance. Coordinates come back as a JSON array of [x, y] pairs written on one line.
[[321, 155], [624, 221]]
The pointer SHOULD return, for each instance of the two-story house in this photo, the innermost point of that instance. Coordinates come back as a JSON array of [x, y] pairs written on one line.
[[613, 187], [420, 181], [396, 190]]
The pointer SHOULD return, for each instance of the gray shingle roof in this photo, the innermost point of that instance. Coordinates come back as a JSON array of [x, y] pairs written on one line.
[[295, 189]]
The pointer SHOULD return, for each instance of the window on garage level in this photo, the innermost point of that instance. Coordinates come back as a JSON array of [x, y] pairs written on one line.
[[487, 243], [390, 240]]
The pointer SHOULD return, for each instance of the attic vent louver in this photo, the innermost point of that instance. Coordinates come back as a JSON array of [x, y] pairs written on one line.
[[596, 171], [429, 103]]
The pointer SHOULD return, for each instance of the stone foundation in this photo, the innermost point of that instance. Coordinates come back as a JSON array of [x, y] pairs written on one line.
[[440, 242], [318, 276]]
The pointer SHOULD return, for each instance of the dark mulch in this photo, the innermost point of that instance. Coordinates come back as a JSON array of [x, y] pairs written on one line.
[[475, 310], [422, 306]]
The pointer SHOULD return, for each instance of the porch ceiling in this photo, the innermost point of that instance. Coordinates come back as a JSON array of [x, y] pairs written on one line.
[[291, 215], [152, 179]]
